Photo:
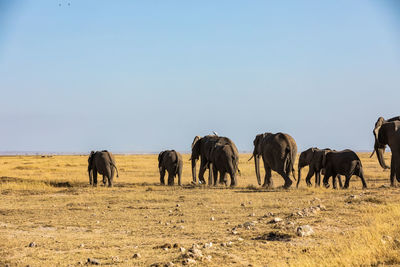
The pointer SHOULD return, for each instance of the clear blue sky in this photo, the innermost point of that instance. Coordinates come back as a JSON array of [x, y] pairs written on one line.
[[150, 75]]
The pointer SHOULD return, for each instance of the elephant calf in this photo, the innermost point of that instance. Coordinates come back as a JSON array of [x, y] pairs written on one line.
[[171, 161], [345, 162], [101, 162], [223, 159], [313, 158]]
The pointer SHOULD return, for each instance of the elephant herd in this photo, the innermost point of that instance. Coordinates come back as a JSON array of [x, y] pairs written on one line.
[[278, 152]]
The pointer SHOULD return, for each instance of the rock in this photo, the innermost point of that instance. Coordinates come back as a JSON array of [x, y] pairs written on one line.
[[212, 219], [136, 256], [82, 245], [166, 249], [276, 220], [223, 245], [208, 245], [176, 245], [182, 249], [32, 245], [188, 261], [229, 244], [115, 259], [93, 261], [166, 245], [234, 232], [181, 227], [208, 258], [97, 222], [170, 211], [240, 239], [268, 214], [247, 227], [322, 207], [248, 224], [197, 253], [178, 205], [168, 264], [195, 246], [252, 215], [386, 238], [304, 230]]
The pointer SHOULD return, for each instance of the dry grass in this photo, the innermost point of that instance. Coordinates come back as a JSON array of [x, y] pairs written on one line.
[[47, 200]]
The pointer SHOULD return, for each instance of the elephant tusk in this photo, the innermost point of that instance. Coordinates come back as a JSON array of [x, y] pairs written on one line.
[[251, 157], [373, 152]]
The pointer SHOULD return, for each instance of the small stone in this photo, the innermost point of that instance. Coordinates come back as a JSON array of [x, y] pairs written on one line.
[[208, 258], [136, 256], [304, 230], [276, 220], [234, 232], [32, 245], [250, 202], [252, 215], [223, 245], [182, 249], [229, 244], [242, 204], [208, 245], [321, 207], [115, 259], [176, 245], [212, 219], [93, 261], [97, 222], [181, 227], [178, 205], [170, 211], [166, 249], [247, 227], [82, 245], [166, 245], [240, 239], [248, 224], [168, 264]]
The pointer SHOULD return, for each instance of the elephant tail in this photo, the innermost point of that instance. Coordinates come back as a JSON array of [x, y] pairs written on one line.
[[112, 163], [235, 161]]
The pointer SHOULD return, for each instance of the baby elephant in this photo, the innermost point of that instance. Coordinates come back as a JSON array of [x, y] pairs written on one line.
[[101, 162], [171, 161], [345, 162]]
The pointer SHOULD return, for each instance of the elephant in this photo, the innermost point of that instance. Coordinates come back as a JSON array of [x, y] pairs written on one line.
[[101, 162], [201, 148], [278, 152], [313, 158], [223, 159], [345, 162], [388, 133], [171, 161]]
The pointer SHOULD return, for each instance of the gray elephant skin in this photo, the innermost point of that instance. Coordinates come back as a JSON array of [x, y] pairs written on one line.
[[201, 149], [101, 162], [278, 152], [171, 161], [388, 133], [313, 158], [345, 162], [224, 159]]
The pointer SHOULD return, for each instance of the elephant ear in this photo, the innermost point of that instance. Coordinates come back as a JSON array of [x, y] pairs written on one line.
[[195, 140], [160, 156], [90, 160]]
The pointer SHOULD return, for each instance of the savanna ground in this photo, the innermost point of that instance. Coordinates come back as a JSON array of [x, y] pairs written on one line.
[[47, 200]]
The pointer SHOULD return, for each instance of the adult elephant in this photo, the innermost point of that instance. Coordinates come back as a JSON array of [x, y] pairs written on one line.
[[278, 152], [223, 159], [101, 162], [388, 133], [201, 149], [345, 162], [313, 158], [171, 161]]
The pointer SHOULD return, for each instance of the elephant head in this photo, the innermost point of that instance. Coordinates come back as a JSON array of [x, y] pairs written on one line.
[[90, 165], [257, 152], [196, 145], [160, 159], [380, 142]]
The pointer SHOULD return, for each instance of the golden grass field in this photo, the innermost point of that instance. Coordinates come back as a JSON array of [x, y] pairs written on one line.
[[47, 200]]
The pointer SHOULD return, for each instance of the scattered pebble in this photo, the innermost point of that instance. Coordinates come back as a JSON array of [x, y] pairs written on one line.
[[93, 261], [182, 249], [188, 261], [212, 219], [304, 230], [32, 245], [136, 256]]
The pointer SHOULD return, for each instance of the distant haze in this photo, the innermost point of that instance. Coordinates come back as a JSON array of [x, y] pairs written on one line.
[[142, 76]]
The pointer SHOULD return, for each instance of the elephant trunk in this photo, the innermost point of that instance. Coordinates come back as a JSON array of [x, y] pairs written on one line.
[[257, 166], [299, 175], [90, 176], [379, 153], [194, 169]]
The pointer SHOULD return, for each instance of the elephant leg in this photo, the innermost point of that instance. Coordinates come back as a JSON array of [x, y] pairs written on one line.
[[203, 168], [334, 182], [233, 179], [347, 182], [327, 175], [267, 180], [162, 175], [171, 177], [340, 181], [309, 175], [362, 179], [396, 167], [317, 178], [288, 181], [211, 174], [94, 177], [104, 180], [222, 178], [392, 172]]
